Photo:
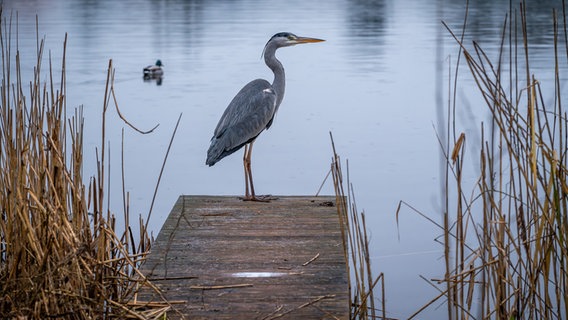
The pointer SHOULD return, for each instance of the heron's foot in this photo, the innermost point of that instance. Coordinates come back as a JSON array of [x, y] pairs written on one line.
[[263, 198]]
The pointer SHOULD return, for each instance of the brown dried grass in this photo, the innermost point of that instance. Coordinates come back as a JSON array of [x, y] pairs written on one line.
[[362, 283], [60, 253], [505, 242]]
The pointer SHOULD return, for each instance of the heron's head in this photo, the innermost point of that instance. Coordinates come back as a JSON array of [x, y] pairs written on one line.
[[286, 39]]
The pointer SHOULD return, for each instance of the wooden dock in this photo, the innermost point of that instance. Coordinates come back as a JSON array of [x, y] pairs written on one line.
[[218, 257]]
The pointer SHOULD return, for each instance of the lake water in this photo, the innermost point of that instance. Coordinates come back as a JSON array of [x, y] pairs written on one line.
[[378, 84]]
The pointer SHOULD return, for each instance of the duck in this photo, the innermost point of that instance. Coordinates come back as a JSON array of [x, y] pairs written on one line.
[[154, 71]]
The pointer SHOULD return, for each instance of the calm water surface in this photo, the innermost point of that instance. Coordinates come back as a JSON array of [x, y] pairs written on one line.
[[377, 83]]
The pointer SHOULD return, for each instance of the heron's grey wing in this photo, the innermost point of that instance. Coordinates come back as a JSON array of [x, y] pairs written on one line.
[[248, 114]]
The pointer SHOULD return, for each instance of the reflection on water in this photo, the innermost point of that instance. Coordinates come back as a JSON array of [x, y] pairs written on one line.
[[376, 83]]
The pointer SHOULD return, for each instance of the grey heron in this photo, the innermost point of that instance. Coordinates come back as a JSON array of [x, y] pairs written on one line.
[[252, 111]]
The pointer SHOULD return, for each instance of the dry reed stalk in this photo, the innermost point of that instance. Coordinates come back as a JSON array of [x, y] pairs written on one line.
[[355, 248], [506, 244], [60, 255]]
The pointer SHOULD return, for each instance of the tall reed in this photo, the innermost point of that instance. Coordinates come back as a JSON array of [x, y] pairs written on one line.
[[506, 243], [60, 253], [362, 283]]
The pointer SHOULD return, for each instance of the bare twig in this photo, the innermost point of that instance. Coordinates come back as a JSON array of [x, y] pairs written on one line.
[[316, 300], [311, 260], [123, 117]]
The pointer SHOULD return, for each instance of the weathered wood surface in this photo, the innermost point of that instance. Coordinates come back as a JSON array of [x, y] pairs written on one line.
[[222, 258]]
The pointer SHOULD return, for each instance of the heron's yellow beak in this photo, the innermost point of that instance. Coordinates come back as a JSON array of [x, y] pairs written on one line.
[[308, 40]]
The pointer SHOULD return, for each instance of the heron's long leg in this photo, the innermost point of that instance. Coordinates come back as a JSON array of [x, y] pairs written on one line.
[[249, 155], [248, 176], [246, 166]]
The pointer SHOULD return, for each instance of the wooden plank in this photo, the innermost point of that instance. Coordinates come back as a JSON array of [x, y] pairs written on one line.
[[224, 258]]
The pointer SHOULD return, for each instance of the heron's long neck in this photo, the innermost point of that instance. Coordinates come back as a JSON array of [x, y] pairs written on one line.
[[274, 64]]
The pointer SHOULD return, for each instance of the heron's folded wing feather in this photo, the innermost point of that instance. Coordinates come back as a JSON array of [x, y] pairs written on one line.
[[248, 113]]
